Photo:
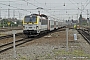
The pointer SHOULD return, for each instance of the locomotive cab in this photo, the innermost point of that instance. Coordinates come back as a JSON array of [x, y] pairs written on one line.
[[30, 25], [34, 24]]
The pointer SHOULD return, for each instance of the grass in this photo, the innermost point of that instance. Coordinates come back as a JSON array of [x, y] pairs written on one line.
[[75, 53], [58, 53]]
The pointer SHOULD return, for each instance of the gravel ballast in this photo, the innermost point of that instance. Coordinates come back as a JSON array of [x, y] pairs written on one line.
[[52, 47]]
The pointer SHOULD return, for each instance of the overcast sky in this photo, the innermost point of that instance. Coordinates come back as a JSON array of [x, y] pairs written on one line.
[[61, 9]]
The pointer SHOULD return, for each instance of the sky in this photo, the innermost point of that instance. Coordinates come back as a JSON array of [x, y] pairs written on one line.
[[59, 9]]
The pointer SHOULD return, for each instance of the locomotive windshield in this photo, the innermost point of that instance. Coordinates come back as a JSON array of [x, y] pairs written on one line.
[[30, 19]]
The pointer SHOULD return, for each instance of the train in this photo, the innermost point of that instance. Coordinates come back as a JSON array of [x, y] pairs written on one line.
[[35, 24]]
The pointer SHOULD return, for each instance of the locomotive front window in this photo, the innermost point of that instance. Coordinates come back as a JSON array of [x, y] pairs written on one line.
[[30, 19], [26, 19], [33, 19]]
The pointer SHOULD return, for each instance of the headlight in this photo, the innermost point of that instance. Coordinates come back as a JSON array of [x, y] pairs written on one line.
[[37, 27], [30, 27], [23, 26]]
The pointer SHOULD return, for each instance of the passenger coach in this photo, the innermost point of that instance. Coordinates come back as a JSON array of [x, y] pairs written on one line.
[[35, 24]]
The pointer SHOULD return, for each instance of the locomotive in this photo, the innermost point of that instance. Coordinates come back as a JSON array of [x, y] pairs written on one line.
[[36, 24]]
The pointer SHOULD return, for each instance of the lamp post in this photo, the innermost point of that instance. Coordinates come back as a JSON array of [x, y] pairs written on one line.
[[0, 12], [67, 48], [13, 14], [8, 13], [87, 18]]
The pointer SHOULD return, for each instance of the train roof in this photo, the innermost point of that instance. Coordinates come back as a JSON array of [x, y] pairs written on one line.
[[41, 15]]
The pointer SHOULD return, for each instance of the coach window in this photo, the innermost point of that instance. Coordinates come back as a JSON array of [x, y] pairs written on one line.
[[40, 20]]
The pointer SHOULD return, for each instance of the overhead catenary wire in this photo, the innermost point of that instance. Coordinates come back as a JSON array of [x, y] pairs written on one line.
[[47, 10], [12, 7], [30, 3], [45, 6], [37, 6], [15, 8], [86, 5]]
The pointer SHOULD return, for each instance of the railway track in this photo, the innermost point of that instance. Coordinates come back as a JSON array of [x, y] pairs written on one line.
[[21, 41], [85, 34], [9, 36], [9, 45]]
